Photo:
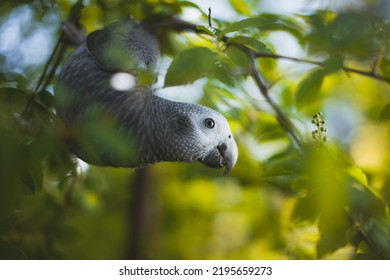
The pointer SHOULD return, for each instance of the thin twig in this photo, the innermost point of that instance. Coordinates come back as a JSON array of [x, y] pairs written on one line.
[[209, 17], [43, 75], [26, 111], [370, 74], [56, 64]]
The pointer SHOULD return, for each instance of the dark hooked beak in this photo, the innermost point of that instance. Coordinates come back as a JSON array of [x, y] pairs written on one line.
[[225, 154]]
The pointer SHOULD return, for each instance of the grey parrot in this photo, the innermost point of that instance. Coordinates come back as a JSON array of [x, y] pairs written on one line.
[[133, 127]]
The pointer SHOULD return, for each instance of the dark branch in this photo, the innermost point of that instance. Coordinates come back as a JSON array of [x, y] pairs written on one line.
[[209, 17], [366, 73], [282, 119]]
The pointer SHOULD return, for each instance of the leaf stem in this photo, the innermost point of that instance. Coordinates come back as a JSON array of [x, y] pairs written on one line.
[[209, 18]]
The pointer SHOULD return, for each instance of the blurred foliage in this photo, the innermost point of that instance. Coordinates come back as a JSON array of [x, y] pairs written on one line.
[[328, 199]]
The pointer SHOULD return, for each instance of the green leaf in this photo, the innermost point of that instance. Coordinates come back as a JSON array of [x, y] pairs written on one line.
[[333, 64], [237, 59], [365, 202], [189, 66], [41, 114], [267, 22], [8, 222], [377, 234], [384, 67], [385, 113], [334, 227], [302, 183], [276, 22], [185, 4], [342, 33], [308, 89], [241, 7], [12, 100], [205, 29], [47, 98], [240, 25], [222, 74], [211, 31], [10, 252], [32, 177], [36, 172], [306, 208], [67, 181], [14, 79], [330, 242], [357, 174], [283, 164], [251, 43]]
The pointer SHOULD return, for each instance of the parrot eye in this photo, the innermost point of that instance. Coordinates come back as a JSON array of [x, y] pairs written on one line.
[[209, 123]]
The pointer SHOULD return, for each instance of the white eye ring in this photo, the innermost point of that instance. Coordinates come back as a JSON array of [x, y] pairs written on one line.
[[209, 123]]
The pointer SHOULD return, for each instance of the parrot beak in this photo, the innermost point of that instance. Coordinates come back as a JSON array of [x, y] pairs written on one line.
[[230, 154], [225, 154]]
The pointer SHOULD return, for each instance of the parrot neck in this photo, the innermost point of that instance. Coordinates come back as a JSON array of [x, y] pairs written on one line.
[[155, 116], [170, 126]]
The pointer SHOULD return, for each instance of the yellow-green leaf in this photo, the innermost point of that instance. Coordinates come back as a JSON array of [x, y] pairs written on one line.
[[309, 87], [385, 113], [189, 66], [251, 43], [384, 66], [357, 174], [333, 64], [241, 7], [242, 24], [211, 31]]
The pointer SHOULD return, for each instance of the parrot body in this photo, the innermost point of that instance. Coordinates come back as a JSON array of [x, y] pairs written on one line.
[[133, 127]]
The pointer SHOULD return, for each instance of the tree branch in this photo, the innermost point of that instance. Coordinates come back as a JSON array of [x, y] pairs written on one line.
[[371, 74], [180, 25], [282, 119]]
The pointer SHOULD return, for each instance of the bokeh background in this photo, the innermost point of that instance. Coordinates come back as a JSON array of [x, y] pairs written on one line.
[[327, 200]]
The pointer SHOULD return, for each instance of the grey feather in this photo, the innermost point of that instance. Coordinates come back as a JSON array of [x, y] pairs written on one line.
[[133, 128]]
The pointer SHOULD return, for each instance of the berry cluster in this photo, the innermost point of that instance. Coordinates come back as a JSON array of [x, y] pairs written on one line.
[[318, 134]]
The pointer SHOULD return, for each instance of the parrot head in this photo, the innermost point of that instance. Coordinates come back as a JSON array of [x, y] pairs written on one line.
[[206, 135], [220, 149]]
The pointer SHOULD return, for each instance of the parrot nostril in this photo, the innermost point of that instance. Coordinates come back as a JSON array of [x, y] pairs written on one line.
[[222, 147]]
